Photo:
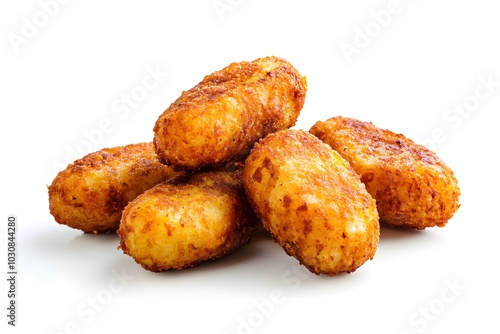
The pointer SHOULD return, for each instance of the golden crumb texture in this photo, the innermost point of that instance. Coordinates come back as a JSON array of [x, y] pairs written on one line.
[[413, 187], [91, 193], [312, 202], [221, 118], [188, 220]]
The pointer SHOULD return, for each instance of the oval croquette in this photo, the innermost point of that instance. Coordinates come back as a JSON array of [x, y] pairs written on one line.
[[91, 193], [188, 220], [221, 118], [312, 202], [413, 187]]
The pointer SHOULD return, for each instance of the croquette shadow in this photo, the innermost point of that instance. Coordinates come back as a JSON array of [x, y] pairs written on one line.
[[92, 259], [91, 240], [394, 237], [263, 261], [253, 251], [388, 232], [64, 241], [73, 254], [239, 260]]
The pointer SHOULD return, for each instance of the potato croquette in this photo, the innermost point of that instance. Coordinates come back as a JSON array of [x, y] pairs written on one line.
[[221, 118], [91, 193], [188, 220], [312, 202], [412, 186]]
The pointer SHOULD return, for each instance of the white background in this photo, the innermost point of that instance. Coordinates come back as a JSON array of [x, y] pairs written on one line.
[[63, 79]]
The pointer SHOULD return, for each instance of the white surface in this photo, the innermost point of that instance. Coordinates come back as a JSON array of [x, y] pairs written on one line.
[[69, 78]]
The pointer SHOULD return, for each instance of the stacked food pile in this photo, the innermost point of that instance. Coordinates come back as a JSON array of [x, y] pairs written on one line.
[[225, 164]]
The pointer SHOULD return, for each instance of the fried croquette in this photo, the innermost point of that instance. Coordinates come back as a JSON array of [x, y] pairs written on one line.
[[412, 186], [91, 193], [188, 220], [312, 202], [221, 118]]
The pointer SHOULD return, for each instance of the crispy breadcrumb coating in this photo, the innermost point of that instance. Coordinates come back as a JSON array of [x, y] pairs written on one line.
[[91, 193], [221, 118], [188, 220], [412, 186], [312, 202]]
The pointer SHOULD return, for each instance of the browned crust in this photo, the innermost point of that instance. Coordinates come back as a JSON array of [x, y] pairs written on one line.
[[220, 119], [91, 193], [312, 202], [159, 243], [412, 185]]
